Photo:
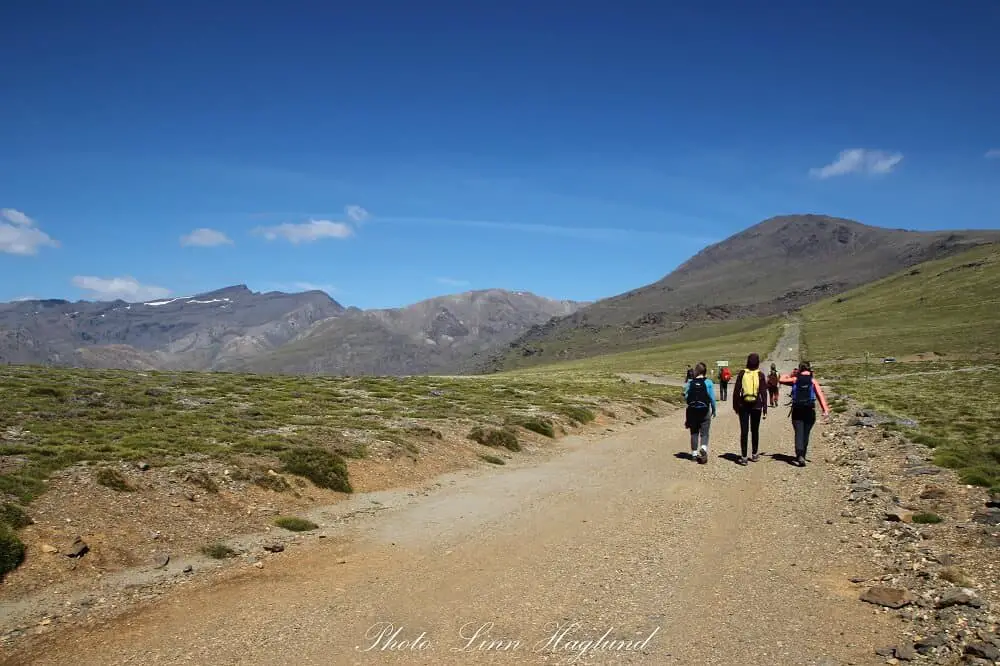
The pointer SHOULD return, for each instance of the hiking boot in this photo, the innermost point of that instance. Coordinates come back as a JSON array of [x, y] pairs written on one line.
[[694, 454], [703, 456], [755, 457], [800, 461], [743, 461]]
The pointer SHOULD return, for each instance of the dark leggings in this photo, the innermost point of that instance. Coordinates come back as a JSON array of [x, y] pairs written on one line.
[[749, 424], [802, 423]]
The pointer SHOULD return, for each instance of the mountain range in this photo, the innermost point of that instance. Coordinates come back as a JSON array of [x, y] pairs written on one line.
[[775, 266]]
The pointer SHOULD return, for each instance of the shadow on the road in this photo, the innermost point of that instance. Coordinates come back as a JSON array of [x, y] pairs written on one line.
[[783, 457], [684, 455], [731, 457]]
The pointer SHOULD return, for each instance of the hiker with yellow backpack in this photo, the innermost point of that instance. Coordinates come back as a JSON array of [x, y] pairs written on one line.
[[750, 405]]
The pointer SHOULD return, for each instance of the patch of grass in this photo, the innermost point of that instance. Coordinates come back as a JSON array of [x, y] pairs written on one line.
[[15, 516], [110, 477], [274, 482], [202, 480], [11, 550], [496, 437], [927, 518], [955, 576], [294, 524], [492, 459], [541, 425], [578, 414], [218, 551], [324, 468]]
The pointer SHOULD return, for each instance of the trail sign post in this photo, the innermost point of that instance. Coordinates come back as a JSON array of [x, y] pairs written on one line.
[[721, 364], [867, 357]]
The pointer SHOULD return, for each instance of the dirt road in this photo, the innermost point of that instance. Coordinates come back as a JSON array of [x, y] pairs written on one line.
[[620, 541]]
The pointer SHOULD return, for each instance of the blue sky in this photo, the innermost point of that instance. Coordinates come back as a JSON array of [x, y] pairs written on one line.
[[388, 153]]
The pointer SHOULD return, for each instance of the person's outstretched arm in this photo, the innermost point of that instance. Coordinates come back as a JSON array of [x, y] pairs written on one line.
[[821, 397], [786, 379], [687, 383]]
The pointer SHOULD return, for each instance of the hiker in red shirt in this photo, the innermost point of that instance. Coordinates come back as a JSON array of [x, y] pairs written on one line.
[[724, 376], [805, 392], [772, 386]]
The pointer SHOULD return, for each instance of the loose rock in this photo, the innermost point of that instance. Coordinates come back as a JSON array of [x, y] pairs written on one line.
[[79, 548], [960, 596], [889, 597], [983, 651]]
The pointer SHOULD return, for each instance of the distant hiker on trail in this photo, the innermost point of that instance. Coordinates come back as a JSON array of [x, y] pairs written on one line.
[[690, 374], [724, 376], [773, 384], [750, 404], [700, 396], [805, 392]]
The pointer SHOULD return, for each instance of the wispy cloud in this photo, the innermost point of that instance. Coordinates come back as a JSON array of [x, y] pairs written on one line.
[[24, 298], [452, 282], [20, 235], [993, 154], [126, 288], [312, 286], [357, 213], [582, 233], [205, 238], [858, 160], [306, 232]]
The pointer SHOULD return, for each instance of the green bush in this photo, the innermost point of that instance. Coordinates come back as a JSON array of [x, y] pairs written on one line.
[[324, 468], [293, 524], [578, 414], [275, 482], [218, 551], [927, 518], [110, 477], [14, 516], [542, 426], [203, 481], [496, 437], [11, 550]]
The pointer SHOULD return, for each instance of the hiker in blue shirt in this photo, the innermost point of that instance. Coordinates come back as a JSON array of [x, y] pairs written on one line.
[[699, 393]]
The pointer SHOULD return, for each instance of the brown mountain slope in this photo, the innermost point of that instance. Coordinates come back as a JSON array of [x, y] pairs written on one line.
[[438, 335], [777, 265]]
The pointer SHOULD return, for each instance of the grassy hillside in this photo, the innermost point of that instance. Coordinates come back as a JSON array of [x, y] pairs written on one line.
[[948, 306], [730, 341], [944, 309]]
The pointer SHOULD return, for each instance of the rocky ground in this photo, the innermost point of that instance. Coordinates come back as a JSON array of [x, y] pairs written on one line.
[[941, 579]]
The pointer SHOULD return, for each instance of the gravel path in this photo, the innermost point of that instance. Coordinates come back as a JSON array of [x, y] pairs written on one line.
[[620, 538]]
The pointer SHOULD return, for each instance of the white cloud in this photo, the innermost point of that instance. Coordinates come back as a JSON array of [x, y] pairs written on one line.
[[205, 238], [20, 299], [993, 154], [859, 160], [452, 282], [357, 213], [307, 232], [20, 235], [126, 288], [312, 286]]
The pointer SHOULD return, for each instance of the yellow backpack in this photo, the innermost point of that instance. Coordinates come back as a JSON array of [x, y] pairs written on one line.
[[751, 385]]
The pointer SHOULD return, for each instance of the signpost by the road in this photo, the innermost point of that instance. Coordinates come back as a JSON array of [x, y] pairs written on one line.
[[721, 364]]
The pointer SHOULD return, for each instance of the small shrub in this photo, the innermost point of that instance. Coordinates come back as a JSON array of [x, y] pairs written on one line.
[[355, 450], [14, 516], [324, 468], [578, 414], [110, 477], [492, 459], [927, 518], [203, 481], [46, 392], [540, 425], [496, 437], [293, 524], [11, 550], [275, 482], [218, 551], [955, 576]]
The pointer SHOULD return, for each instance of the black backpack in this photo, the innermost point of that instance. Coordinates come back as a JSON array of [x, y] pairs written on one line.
[[698, 393], [803, 393], [697, 404]]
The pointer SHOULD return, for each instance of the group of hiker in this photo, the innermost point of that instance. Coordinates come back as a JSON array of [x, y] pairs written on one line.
[[753, 393]]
